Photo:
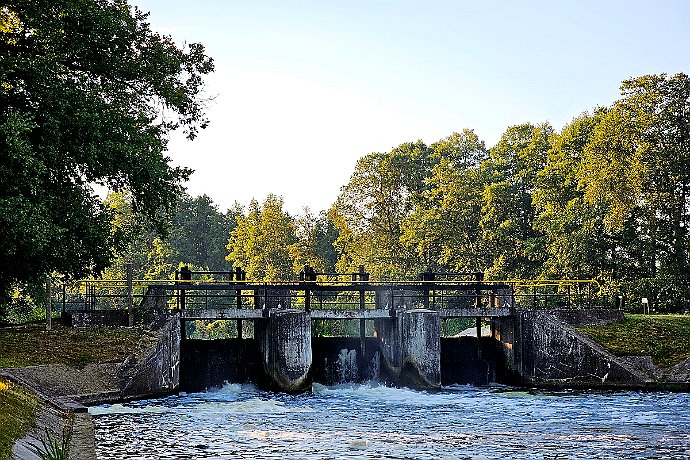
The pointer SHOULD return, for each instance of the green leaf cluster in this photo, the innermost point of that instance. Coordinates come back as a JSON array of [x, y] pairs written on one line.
[[88, 95]]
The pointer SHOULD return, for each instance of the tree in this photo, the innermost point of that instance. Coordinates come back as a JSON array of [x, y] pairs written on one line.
[[199, 233], [638, 164], [444, 228], [507, 211], [88, 95], [577, 243], [260, 243], [314, 246], [371, 207]]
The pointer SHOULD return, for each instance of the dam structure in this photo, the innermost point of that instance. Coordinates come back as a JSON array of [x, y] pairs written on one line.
[[398, 338], [441, 329]]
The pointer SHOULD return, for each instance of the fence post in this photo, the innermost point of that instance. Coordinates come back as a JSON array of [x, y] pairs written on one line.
[[49, 305], [130, 296], [363, 276], [64, 299], [479, 277]]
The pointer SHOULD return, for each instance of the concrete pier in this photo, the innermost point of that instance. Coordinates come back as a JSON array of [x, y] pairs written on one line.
[[421, 349], [285, 348], [411, 348]]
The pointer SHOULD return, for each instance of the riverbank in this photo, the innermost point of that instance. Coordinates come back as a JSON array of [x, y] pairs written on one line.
[[658, 345], [48, 375], [17, 414], [664, 338]]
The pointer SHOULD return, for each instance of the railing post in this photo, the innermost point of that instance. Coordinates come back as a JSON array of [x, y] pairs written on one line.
[[49, 304], [363, 276], [64, 300], [237, 275], [479, 277], [426, 277], [130, 296]]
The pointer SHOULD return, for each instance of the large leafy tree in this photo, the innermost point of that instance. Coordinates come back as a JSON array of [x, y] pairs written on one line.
[[199, 232], [314, 246], [638, 163], [261, 241], [508, 212], [444, 227], [88, 95], [371, 207], [578, 245]]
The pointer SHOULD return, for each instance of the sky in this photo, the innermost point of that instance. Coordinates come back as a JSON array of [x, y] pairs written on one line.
[[303, 89]]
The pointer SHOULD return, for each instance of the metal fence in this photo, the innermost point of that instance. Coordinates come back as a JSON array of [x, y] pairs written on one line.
[[324, 291]]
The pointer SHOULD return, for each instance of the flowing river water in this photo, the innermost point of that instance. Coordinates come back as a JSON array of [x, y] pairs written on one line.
[[373, 421]]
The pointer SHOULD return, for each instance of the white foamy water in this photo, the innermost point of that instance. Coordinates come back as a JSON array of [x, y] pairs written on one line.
[[374, 421]]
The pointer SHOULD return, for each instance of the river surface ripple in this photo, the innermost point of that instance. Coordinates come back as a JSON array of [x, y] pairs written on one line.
[[372, 421]]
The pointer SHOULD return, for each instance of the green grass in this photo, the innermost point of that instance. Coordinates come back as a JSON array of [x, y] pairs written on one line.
[[17, 415], [31, 345], [666, 338]]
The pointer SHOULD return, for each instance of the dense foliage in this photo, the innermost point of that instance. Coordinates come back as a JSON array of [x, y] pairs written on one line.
[[88, 95], [605, 198]]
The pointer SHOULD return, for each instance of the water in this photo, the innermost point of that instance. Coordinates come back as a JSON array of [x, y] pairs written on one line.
[[372, 421]]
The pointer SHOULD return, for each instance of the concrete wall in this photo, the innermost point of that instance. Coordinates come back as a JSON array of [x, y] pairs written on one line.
[[158, 370], [410, 348], [539, 349], [284, 340], [589, 316], [156, 297]]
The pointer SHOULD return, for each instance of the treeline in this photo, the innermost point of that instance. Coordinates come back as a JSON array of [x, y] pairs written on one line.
[[604, 198]]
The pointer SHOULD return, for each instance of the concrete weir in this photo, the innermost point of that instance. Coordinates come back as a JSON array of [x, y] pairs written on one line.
[[285, 348]]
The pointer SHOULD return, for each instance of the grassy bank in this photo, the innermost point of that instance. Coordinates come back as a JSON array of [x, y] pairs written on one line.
[[666, 338], [17, 415], [31, 345]]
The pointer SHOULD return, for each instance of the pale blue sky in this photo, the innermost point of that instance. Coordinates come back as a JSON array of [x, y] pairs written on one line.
[[304, 89]]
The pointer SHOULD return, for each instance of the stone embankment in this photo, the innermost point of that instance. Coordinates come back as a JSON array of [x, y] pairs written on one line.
[[542, 348], [64, 391]]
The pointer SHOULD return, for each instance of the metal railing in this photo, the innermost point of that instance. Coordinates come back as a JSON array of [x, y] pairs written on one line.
[[325, 291]]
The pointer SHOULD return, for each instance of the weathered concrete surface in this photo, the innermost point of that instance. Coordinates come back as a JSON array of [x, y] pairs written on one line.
[[56, 417], [285, 347], [589, 316], [156, 298], [411, 348], [539, 349], [62, 390], [397, 299], [56, 423], [421, 349], [157, 371]]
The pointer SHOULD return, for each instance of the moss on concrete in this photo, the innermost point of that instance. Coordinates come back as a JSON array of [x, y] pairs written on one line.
[[32, 345], [666, 338], [17, 415]]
